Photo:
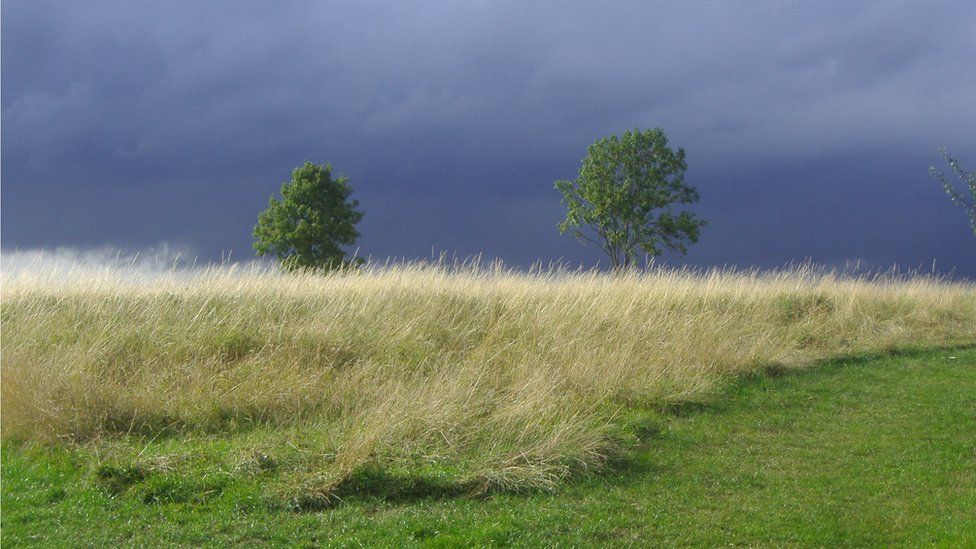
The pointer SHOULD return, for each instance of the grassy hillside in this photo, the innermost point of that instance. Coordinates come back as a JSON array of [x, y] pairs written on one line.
[[409, 380], [856, 452]]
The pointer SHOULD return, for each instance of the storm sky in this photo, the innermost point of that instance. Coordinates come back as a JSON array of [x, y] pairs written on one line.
[[809, 126]]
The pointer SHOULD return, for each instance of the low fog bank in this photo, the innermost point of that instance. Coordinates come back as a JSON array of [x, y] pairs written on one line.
[[124, 265], [171, 262]]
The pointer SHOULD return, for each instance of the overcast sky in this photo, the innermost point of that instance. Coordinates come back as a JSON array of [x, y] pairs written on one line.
[[809, 126]]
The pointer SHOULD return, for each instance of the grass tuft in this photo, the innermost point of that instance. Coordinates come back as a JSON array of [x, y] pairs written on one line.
[[415, 379]]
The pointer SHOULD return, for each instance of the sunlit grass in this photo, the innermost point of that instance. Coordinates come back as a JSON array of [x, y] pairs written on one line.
[[481, 379]]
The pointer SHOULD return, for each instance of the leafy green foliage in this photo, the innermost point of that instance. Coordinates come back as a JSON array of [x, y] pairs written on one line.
[[313, 219], [621, 201], [969, 181]]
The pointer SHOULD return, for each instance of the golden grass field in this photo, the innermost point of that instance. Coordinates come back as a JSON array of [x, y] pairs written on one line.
[[502, 379]]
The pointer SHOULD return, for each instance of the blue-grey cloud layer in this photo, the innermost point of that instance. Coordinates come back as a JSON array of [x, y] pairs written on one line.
[[809, 126]]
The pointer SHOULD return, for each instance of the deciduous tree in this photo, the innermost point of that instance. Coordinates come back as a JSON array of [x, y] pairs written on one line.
[[624, 196], [313, 220], [965, 199]]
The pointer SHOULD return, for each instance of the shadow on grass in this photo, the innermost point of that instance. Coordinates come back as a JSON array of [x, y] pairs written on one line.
[[839, 362], [647, 429], [378, 485], [153, 487], [138, 423], [635, 432]]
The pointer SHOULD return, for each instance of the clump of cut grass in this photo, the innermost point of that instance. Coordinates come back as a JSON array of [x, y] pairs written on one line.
[[509, 380]]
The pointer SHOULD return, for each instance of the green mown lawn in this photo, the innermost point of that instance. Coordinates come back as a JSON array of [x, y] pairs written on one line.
[[853, 452]]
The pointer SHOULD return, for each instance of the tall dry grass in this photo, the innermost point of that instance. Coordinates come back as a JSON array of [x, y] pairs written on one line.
[[513, 378]]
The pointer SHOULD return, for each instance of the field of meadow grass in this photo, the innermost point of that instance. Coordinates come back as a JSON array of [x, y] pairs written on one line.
[[410, 379]]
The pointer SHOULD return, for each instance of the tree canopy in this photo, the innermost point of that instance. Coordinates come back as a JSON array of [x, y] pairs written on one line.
[[623, 196], [968, 180], [313, 220]]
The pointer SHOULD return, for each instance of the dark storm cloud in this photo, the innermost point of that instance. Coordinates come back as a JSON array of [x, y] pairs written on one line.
[[809, 125]]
